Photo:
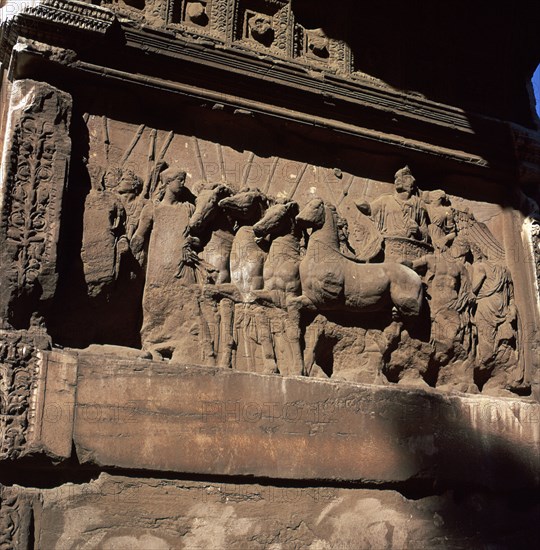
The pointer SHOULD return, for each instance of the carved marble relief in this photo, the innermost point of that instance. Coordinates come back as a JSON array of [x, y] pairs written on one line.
[[278, 267], [196, 252], [18, 376], [35, 176]]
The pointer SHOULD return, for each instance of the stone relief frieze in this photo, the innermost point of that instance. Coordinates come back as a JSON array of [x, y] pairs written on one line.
[[194, 252], [271, 267]]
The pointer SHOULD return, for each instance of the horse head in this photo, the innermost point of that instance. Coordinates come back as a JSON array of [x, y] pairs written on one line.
[[247, 206], [277, 220], [207, 206], [315, 214]]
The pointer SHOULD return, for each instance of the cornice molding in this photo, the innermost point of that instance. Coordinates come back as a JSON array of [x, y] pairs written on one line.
[[346, 102]]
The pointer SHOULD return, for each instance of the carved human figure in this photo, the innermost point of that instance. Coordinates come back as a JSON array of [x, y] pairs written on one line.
[[247, 257], [281, 277], [163, 227], [442, 219], [402, 213], [450, 299], [212, 225], [129, 189], [104, 233], [495, 314], [343, 237], [280, 273]]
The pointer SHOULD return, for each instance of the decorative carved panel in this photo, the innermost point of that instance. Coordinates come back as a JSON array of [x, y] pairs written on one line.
[[19, 366], [36, 157]]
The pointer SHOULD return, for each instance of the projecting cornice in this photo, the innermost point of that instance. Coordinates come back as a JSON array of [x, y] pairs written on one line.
[[284, 78]]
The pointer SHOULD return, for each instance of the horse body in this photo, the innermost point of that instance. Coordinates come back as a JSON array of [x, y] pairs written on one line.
[[248, 253], [247, 261], [281, 268], [217, 253], [331, 281]]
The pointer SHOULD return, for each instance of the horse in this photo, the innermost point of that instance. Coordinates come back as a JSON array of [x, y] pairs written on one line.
[[246, 261], [210, 224], [214, 229], [331, 281], [248, 253], [281, 278]]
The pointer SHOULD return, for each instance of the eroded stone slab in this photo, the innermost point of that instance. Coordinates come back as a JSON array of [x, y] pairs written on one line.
[[114, 512], [142, 414]]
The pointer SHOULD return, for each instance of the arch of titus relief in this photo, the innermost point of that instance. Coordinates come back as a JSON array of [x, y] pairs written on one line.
[[269, 275]]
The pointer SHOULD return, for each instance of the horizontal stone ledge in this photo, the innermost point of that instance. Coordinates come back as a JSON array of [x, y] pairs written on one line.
[[159, 416], [27, 62], [115, 512]]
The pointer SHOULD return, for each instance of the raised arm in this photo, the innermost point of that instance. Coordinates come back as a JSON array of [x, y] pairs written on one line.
[[144, 228]]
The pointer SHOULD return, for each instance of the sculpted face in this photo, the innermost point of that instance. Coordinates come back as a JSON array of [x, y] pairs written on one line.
[[175, 183], [406, 184], [112, 178], [129, 183], [460, 247], [438, 197]]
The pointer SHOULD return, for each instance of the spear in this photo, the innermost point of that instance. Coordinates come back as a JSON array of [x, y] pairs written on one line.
[[166, 144], [199, 159], [248, 169], [346, 190], [106, 138], [132, 145], [271, 174], [221, 162]]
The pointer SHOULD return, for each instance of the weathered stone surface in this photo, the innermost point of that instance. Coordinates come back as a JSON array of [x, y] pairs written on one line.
[[16, 530], [35, 161], [115, 512], [216, 266], [159, 416], [52, 430], [309, 293]]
